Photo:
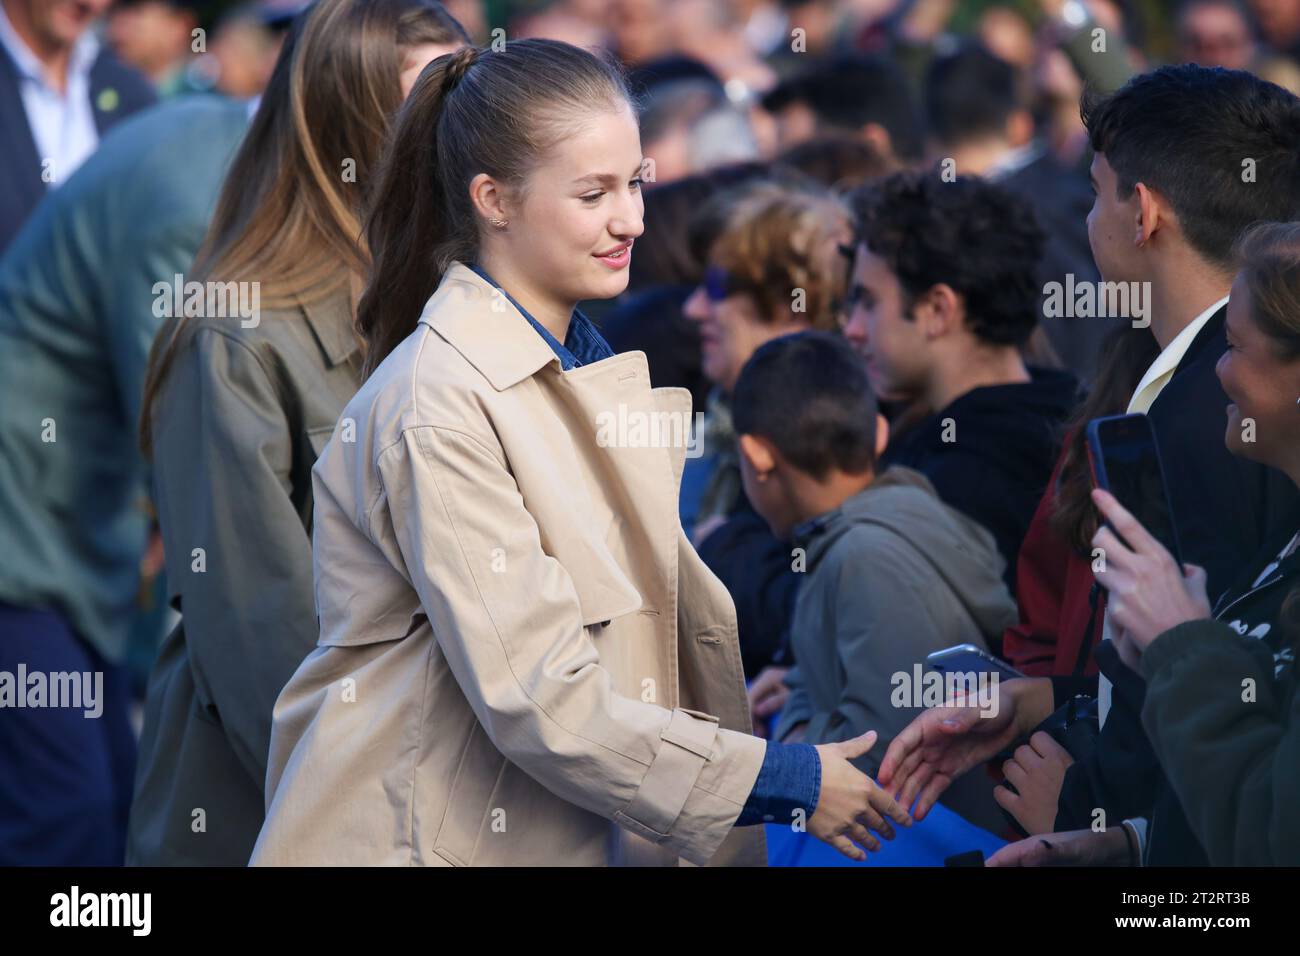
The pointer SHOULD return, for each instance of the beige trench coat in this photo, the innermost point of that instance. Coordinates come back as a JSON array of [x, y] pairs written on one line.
[[522, 660]]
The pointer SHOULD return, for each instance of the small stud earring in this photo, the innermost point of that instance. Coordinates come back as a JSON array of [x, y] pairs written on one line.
[[500, 223]]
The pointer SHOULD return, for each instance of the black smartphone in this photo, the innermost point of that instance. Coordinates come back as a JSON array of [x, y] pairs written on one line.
[[1125, 461]]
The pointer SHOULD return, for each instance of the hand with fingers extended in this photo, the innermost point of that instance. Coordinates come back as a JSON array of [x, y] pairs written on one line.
[[1075, 848], [944, 742], [1036, 770], [850, 805], [1148, 593]]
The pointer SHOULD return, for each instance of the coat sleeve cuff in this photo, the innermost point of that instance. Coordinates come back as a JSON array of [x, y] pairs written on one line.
[[789, 781], [695, 787]]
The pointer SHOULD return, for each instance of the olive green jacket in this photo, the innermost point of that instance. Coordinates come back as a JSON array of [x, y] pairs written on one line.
[[241, 419]]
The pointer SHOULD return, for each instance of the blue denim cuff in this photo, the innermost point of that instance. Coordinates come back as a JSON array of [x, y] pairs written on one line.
[[789, 780]]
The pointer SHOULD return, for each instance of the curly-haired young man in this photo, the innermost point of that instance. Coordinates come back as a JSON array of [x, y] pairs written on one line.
[[943, 296]]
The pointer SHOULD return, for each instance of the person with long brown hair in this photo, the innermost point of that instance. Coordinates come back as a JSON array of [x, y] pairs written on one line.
[[237, 407], [522, 660]]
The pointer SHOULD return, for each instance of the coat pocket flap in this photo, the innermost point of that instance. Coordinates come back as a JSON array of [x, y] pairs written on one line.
[[603, 599]]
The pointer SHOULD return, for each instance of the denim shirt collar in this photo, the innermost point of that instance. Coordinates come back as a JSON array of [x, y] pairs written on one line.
[[582, 345]]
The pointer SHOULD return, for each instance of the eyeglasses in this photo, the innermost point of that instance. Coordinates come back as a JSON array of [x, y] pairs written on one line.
[[718, 283]]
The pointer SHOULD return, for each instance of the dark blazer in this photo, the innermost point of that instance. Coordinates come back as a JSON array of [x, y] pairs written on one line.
[[21, 186], [1225, 507]]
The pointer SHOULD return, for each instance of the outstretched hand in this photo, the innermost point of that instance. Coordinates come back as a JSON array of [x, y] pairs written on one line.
[[944, 742], [850, 805]]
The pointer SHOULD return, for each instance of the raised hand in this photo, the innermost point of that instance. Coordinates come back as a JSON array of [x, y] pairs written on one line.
[[1036, 770], [1148, 592], [944, 742]]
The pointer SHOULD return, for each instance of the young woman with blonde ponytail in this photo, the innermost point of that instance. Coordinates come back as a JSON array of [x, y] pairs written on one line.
[[522, 659]]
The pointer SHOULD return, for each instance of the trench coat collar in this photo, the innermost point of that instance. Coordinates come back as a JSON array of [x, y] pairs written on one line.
[[486, 328], [331, 321]]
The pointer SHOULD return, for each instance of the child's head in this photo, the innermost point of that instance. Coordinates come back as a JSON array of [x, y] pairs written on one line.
[[808, 427], [526, 157]]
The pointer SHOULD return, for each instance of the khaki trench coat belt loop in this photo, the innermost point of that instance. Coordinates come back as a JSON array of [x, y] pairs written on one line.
[[672, 774]]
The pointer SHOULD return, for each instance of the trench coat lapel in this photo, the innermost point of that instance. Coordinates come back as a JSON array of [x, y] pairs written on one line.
[[637, 469], [633, 437], [486, 328]]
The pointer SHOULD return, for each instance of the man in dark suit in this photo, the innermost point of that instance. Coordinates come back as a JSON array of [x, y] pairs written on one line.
[[59, 93], [1186, 159]]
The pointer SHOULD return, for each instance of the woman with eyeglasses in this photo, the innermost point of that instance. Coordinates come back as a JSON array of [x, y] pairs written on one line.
[[775, 265]]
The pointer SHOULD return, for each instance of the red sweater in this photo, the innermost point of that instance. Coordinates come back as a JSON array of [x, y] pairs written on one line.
[[1053, 582]]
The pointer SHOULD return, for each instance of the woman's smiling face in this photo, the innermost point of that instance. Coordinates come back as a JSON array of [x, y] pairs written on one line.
[[1262, 387], [570, 233]]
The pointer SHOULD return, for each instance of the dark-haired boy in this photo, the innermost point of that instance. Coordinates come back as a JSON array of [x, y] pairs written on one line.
[[943, 295], [892, 573]]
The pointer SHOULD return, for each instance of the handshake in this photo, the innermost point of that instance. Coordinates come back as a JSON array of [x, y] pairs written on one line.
[[921, 763], [852, 811]]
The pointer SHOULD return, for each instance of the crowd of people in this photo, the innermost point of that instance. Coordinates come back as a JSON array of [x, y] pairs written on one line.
[[555, 433]]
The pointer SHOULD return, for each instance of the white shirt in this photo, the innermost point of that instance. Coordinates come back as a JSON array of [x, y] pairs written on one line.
[[1148, 390], [62, 124]]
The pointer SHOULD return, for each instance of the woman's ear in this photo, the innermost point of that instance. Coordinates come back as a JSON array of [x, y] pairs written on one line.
[[488, 198], [758, 453]]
